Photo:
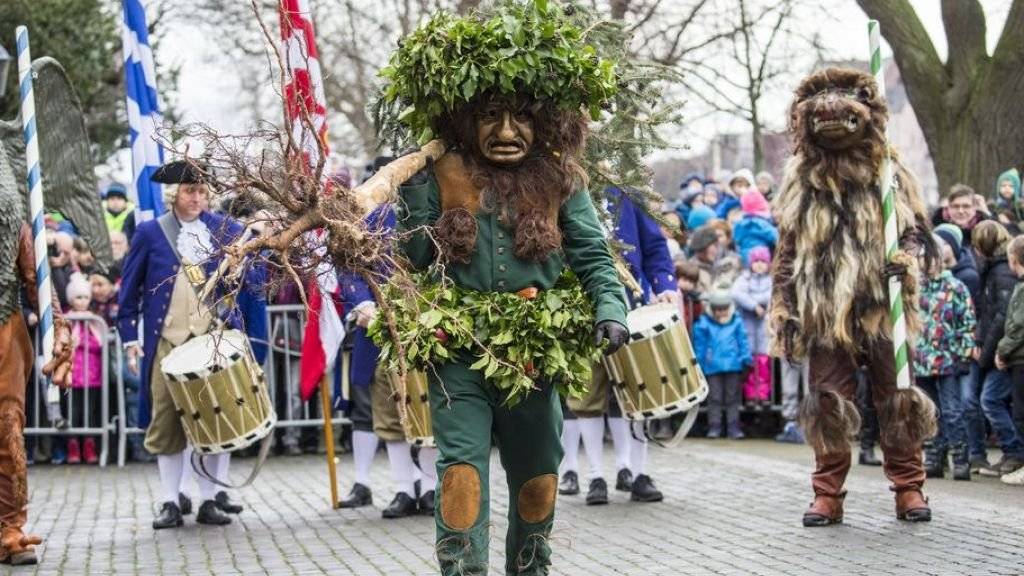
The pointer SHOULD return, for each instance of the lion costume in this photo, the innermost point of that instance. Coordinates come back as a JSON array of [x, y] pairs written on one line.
[[830, 301]]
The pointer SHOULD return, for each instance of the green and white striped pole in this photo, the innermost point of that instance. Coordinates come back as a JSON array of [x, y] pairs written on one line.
[[887, 185]]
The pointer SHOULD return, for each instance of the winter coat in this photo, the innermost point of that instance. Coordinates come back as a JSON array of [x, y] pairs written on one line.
[[753, 231], [721, 348], [1011, 346], [725, 205], [947, 326], [966, 271], [750, 291], [997, 285], [87, 359]]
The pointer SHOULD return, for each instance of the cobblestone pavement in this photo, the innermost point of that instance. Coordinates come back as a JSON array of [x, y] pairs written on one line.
[[730, 508]]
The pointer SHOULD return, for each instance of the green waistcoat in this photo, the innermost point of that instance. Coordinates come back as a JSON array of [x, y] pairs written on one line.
[[495, 268]]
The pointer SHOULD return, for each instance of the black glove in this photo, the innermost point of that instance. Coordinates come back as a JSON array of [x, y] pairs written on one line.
[[615, 333], [893, 270]]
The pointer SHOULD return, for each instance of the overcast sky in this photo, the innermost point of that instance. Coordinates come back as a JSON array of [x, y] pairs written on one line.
[[209, 90]]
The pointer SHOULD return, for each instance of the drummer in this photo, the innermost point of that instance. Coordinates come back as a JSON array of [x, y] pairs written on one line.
[[650, 264], [374, 414], [168, 261]]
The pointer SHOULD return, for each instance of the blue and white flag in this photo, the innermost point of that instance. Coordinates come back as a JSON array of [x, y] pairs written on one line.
[[143, 112]]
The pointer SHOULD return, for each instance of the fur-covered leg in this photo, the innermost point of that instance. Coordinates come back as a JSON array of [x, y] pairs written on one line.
[[907, 418], [829, 422]]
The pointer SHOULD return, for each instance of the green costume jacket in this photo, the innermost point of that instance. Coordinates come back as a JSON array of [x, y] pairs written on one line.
[[495, 268], [1011, 347]]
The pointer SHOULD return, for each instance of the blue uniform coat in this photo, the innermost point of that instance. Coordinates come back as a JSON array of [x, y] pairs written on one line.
[[648, 257], [148, 280]]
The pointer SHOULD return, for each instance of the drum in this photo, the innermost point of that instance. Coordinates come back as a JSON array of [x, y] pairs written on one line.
[[418, 430], [656, 373], [219, 391]]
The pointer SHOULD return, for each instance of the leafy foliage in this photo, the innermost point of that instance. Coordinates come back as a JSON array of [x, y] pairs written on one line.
[[512, 340], [530, 48]]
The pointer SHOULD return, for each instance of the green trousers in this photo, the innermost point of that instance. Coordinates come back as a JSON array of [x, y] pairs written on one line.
[[466, 411]]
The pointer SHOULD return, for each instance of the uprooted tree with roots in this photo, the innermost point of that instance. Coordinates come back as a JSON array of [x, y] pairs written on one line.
[[308, 220]]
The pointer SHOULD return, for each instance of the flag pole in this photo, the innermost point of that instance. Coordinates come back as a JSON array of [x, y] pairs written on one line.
[[887, 187], [35, 200], [332, 466]]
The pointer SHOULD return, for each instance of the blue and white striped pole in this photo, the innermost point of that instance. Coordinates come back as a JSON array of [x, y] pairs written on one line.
[[35, 192]]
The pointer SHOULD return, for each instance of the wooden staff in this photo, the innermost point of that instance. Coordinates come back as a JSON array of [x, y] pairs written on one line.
[[332, 466]]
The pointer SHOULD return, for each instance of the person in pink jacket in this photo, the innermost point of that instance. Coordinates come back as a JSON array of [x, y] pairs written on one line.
[[86, 373]]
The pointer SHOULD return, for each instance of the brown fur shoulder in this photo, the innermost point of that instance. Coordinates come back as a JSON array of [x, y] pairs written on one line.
[[455, 181]]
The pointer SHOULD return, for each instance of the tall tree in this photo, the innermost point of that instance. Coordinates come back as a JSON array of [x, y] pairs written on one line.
[[969, 106]]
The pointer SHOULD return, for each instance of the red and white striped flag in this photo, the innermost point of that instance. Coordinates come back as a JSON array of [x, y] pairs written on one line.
[[304, 95]]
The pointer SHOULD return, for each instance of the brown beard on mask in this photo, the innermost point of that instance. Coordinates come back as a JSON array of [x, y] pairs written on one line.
[[525, 197]]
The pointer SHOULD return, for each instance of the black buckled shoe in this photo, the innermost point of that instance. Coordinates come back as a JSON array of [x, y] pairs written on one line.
[[209, 513], [644, 490], [425, 503], [359, 496], [598, 492], [169, 517], [570, 484], [185, 504], [401, 506], [624, 481], [226, 505]]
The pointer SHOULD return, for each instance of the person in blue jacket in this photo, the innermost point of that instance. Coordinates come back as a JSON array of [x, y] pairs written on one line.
[[168, 261], [755, 228], [648, 259], [690, 189], [723, 350], [373, 412]]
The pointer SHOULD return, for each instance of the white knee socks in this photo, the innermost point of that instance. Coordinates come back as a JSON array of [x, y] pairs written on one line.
[[571, 446], [171, 467], [592, 430], [428, 464], [402, 467], [637, 451], [621, 441], [364, 447]]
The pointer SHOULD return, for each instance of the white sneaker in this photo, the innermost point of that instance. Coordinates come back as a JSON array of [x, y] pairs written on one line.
[[1016, 477]]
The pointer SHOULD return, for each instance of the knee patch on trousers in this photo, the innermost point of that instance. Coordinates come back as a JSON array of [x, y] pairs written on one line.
[[829, 422], [536, 499], [460, 496]]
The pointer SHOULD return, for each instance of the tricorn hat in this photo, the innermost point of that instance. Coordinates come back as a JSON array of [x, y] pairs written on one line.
[[179, 172]]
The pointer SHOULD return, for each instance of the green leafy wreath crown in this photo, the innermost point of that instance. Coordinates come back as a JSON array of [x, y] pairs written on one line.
[[531, 48]]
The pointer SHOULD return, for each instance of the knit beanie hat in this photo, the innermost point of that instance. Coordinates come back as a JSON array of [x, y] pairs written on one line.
[[78, 285], [753, 203], [702, 238], [699, 216], [950, 234], [719, 298], [760, 254], [744, 174]]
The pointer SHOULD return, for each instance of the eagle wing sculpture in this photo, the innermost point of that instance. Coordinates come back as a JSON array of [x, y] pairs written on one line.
[[69, 184]]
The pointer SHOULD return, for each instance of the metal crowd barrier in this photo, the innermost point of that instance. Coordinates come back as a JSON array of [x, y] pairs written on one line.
[[38, 414]]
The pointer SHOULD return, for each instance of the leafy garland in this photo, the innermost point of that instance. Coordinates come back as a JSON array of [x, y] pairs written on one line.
[[515, 341], [529, 48]]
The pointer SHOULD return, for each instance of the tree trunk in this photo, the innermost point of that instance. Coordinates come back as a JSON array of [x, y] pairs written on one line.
[[969, 107]]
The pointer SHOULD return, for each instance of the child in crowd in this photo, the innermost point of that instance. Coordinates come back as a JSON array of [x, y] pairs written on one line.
[[755, 228], [1010, 352], [752, 293], [766, 184], [687, 276], [691, 192], [86, 373], [1008, 196], [82, 256], [104, 295], [944, 346], [699, 216], [723, 351], [712, 197]]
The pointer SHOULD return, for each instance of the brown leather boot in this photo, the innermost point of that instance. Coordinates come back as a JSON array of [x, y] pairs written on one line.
[[16, 547], [912, 506], [905, 469], [827, 481]]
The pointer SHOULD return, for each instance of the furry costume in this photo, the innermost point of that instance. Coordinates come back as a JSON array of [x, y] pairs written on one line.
[[830, 300]]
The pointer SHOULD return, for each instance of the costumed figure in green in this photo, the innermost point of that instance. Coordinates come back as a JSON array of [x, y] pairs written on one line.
[[505, 211]]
